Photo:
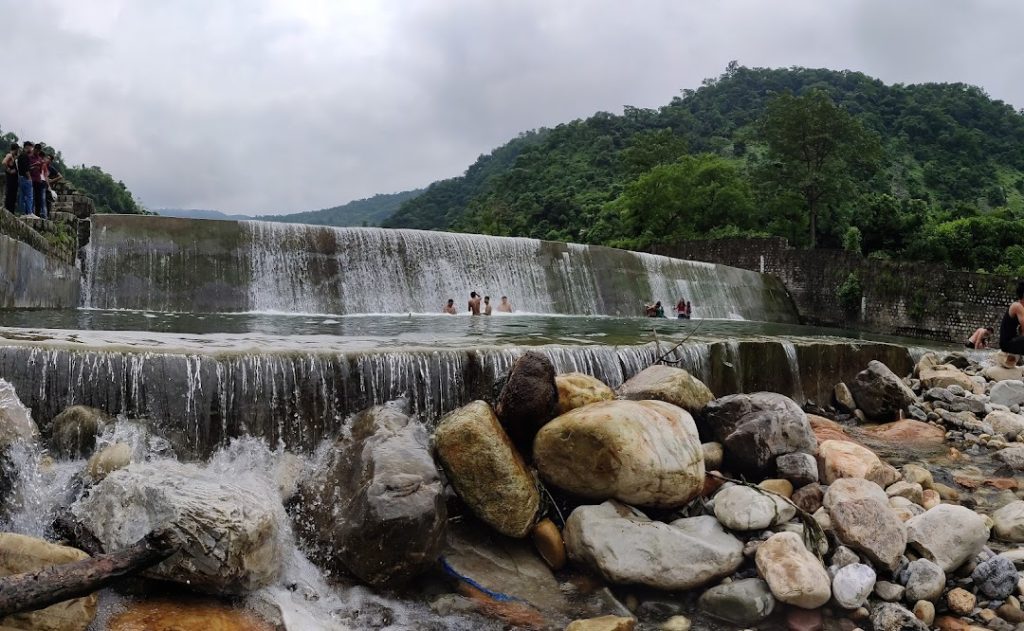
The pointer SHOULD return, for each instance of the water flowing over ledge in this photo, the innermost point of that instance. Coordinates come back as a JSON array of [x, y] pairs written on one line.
[[168, 264]]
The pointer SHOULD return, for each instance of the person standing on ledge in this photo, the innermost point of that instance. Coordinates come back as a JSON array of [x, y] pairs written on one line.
[[25, 179], [1010, 339], [450, 307], [504, 306], [11, 178], [474, 303], [487, 305], [980, 338]]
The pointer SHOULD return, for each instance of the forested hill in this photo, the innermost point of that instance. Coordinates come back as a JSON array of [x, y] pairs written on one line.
[[361, 212], [917, 171]]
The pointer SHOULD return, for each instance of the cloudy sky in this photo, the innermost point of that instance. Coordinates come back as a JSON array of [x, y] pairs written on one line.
[[261, 106]]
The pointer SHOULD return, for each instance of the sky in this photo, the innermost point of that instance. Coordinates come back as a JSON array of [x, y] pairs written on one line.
[[263, 106]]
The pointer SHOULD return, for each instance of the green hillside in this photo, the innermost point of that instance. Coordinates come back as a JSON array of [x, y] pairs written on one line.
[[362, 212], [916, 171]]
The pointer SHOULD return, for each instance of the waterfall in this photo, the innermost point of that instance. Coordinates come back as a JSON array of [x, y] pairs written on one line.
[[167, 264]]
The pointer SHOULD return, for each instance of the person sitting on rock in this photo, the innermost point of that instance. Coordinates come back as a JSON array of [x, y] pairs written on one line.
[[1010, 339], [450, 307], [979, 339]]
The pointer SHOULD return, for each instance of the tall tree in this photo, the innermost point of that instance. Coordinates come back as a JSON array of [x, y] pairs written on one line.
[[816, 150]]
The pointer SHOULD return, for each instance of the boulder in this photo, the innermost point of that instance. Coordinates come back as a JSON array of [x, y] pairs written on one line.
[[1012, 457], [893, 617], [603, 623], [799, 468], [185, 615], [73, 432], [392, 522], [229, 528], [741, 508], [669, 384], [111, 458], [15, 419], [645, 453], [947, 535], [852, 585], [486, 470], [744, 602], [839, 459], [795, 576], [756, 428], [879, 393], [1006, 423], [18, 554], [907, 431], [1008, 522], [844, 398], [909, 490], [1008, 393], [626, 547], [928, 360], [916, 474], [996, 577], [863, 520], [576, 389], [528, 399], [825, 429], [713, 456], [944, 376], [1003, 373], [924, 581]]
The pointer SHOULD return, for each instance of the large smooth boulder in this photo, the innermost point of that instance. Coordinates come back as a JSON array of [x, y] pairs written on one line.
[[879, 393], [73, 432], [229, 529], [744, 602], [948, 535], [1012, 457], [20, 554], [1005, 423], [645, 453], [486, 470], [756, 428], [944, 376], [669, 384], [795, 576], [1003, 373], [1008, 522], [863, 520], [576, 389], [374, 506], [1008, 393], [907, 431], [185, 615], [840, 459], [743, 508], [827, 429], [528, 399], [627, 547]]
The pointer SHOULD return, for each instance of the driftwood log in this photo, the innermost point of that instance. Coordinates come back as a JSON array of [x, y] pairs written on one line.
[[30, 591]]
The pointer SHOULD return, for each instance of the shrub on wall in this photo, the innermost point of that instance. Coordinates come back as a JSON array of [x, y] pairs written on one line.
[[849, 293]]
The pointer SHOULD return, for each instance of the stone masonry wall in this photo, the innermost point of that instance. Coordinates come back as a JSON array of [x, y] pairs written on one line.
[[907, 299]]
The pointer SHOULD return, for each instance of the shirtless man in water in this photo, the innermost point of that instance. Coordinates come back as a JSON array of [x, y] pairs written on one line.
[[474, 303], [450, 307], [487, 305], [505, 306], [980, 338]]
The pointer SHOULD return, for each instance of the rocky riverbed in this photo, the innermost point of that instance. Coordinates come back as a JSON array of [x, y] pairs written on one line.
[[559, 504]]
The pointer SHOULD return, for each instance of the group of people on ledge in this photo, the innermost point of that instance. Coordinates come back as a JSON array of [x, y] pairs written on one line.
[[684, 311], [478, 308], [1011, 329], [29, 175]]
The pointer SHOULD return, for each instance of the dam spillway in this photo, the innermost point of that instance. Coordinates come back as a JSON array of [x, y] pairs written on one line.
[[182, 265]]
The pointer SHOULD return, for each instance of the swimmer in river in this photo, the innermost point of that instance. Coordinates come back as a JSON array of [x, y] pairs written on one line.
[[505, 306], [474, 303], [980, 338], [487, 305], [450, 307]]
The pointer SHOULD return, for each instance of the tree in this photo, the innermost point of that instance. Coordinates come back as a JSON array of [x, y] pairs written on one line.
[[816, 150]]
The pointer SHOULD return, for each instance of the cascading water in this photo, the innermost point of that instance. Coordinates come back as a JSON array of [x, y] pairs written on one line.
[[164, 264]]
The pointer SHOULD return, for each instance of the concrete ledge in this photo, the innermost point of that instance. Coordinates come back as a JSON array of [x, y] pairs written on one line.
[[30, 279]]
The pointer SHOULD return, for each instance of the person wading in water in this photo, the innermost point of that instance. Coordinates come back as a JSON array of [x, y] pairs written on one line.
[[1010, 339]]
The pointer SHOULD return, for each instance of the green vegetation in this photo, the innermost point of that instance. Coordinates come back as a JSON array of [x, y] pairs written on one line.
[[849, 293], [932, 172], [362, 212]]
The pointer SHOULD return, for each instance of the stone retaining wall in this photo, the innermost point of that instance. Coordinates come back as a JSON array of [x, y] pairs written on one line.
[[907, 298], [30, 279]]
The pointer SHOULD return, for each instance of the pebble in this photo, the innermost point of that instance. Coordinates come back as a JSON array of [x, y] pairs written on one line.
[[930, 498], [1010, 613], [960, 601], [676, 623], [852, 585], [925, 612], [804, 620], [890, 592], [781, 486], [916, 474], [844, 556]]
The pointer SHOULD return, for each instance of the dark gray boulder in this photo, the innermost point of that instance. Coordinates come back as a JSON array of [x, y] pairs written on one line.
[[528, 400], [879, 393], [756, 428]]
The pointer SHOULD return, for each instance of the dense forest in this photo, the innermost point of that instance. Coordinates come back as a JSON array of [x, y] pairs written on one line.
[[371, 211], [822, 157], [108, 195]]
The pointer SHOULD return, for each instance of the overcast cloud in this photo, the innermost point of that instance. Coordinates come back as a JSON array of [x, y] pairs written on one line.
[[261, 106]]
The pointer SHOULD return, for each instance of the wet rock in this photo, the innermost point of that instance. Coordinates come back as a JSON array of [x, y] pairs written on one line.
[[507, 568], [948, 535], [889, 592], [229, 528], [925, 581], [825, 429], [645, 453], [528, 399], [808, 498], [19, 554], [676, 623], [576, 389], [744, 602], [795, 576], [626, 547], [960, 601], [880, 393], [799, 468], [996, 578], [841, 459], [486, 470], [844, 398], [944, 376], [713, 455], [852, 585], [917, 413], [743, 508], [669, 384], [73, 432], [916, 474], [604, 623], [1010, 613], [862, 519], [925, 612], [110, 458], [547, 538], [392, 522], [909, 490], [1009, 522], [1012, 457], [1008, 393], [16, 422], [756, 428], [185, 615], [892, 617], [1005, 423], [907, 430]]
